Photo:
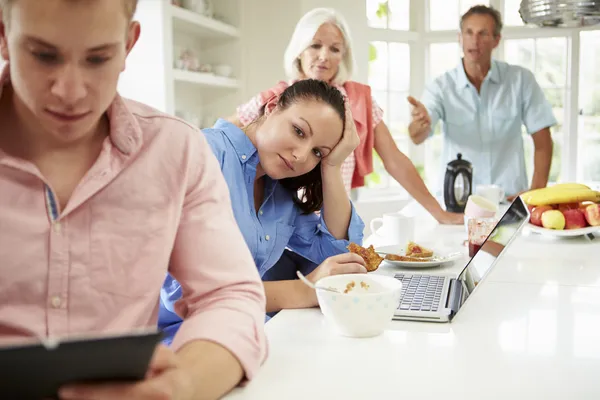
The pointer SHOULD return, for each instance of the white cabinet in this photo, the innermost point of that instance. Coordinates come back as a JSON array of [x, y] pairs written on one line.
[[155, 75]]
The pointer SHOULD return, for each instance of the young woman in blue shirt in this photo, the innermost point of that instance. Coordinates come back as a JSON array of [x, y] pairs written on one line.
[[283, 172]]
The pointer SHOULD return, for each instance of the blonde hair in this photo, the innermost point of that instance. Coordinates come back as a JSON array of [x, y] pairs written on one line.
[[130, 7], [303, 35]]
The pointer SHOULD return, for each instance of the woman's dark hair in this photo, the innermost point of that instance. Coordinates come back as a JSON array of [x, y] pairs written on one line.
[[307, 189]]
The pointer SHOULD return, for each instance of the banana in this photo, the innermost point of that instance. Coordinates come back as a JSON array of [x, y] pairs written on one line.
[[569, 186], [560, 195]]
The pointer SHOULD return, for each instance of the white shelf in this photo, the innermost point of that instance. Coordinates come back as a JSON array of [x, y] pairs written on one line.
[[204, 79], [201, 26]]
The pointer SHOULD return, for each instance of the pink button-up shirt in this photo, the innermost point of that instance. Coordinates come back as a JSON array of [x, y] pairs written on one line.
[[155, 200]]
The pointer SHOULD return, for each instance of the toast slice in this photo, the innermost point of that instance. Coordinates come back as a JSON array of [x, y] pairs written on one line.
[[372, 259], [397, 257], [415, 250]]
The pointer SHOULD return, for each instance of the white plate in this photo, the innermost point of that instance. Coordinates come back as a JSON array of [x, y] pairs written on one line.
[[564, 232], [435, 261]]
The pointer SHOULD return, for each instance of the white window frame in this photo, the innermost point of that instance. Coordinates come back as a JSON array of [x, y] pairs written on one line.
[[419, 37]]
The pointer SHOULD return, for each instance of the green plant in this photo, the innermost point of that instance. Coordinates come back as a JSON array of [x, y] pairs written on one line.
[[383, 11], [372, 52]]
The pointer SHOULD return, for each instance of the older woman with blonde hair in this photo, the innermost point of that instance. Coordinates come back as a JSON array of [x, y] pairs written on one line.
[[321, 48]]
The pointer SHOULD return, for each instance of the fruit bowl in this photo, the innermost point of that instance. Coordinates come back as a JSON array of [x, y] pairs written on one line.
[[564, 210]]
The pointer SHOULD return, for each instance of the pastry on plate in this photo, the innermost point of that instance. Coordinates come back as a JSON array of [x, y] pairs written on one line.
[[415, 250], [397, 257]]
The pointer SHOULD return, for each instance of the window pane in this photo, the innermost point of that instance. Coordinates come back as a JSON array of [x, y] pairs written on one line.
[[551, 62], [511, 13], [399, 114], [556, 97], [399, 14], [589, 103], [442, 57], [443, 15], [378, 66], [399, 54], [377, 13], [589, 149], [555, 168], [520, 52], [466, 4]]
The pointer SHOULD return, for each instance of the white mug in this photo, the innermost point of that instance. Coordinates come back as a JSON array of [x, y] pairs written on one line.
[[395, 228], [493, 193]]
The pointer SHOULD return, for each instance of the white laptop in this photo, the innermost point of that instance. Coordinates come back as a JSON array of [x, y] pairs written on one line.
[[438, 298]]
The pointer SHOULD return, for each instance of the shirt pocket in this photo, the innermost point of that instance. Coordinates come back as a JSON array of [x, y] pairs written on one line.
[[503, 123], [461, 126], [129, 252]]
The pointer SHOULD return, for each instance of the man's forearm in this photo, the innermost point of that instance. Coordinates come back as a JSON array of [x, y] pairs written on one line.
[[542, 160], [289, 294], [212, 370]]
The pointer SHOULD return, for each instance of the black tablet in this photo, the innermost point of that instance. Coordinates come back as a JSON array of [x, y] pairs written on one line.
[[37, 371]]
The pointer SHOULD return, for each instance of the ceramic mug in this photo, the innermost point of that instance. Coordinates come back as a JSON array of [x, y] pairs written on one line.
[[479, 207], [395, 228], [493, 193]]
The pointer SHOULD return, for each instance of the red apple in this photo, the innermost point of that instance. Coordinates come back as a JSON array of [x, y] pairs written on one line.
[[536, 214], [592, 214], [568, 206], [574, 219]]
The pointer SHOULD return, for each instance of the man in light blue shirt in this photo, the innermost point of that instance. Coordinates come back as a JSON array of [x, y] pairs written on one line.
[[483, 104]]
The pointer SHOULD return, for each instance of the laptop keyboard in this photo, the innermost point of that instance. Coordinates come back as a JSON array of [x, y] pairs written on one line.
[[420, 292]]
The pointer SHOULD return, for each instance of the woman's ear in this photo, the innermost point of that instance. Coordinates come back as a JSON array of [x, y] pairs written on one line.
[[271, 105]]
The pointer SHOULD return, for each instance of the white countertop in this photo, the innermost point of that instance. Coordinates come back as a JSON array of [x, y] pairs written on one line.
[[531, 331]]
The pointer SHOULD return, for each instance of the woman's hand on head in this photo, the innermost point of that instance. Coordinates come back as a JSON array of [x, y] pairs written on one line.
[[349, 141], [345, 263]]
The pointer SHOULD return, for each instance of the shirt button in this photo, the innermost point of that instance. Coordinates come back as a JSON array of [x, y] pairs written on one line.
[[260, 212], [55, 301], [243, 156], [318, 226], [268, 237], [57, 227]]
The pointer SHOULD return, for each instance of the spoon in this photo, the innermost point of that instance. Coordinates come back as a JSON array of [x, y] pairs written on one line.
[[311, 285]]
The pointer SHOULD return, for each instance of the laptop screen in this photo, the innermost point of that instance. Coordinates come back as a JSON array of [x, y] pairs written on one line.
[[494, 245]]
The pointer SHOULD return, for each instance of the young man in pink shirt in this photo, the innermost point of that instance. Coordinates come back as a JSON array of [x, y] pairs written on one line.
[[101, 196]]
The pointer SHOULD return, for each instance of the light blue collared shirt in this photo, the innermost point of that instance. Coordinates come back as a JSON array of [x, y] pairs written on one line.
[[278, 224], [486, 127]]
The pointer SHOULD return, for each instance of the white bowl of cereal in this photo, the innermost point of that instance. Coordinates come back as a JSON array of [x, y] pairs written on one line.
[[364, 305]]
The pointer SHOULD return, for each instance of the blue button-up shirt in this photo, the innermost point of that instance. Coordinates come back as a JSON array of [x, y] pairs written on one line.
[[486, 126], [278, 224]]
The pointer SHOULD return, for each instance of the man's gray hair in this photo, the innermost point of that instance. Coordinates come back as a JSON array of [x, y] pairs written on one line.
[[484, 10]]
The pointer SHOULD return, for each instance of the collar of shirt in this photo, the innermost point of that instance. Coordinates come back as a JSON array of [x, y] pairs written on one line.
[[246, 153], [239, 141], [461, 75]]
